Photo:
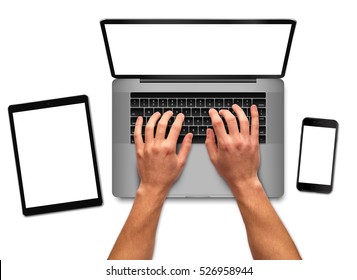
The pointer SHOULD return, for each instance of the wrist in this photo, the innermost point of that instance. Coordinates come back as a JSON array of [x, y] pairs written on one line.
[[154, 195], [243, 189]]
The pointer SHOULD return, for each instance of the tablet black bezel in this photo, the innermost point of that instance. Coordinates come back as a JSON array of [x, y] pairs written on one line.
[[198, 21], [27, 211], [310, 187]]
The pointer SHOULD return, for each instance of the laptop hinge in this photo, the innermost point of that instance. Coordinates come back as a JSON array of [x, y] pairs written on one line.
[[198, 80]]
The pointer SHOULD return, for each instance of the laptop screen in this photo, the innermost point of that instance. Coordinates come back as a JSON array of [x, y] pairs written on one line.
[[232, 48]]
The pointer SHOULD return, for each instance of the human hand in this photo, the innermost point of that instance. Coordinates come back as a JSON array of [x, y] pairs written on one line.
[[236, 155], [158, 164]]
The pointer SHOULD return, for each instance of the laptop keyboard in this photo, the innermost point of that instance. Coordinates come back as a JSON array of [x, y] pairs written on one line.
[[195, 107]]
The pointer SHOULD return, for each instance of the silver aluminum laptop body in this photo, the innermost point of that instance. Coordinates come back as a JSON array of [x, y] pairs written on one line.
[[199, 177]]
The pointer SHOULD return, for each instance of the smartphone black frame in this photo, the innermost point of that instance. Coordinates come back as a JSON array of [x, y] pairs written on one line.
[[311, 187]]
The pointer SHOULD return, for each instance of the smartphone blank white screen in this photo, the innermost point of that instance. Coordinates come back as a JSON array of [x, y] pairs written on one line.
[[317, 152], [198, 49], [55, 155]]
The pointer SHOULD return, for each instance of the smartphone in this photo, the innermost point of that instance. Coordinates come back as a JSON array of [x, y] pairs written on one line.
[[317, 155]]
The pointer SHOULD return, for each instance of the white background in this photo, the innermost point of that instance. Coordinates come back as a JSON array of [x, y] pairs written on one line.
[[54, 49]]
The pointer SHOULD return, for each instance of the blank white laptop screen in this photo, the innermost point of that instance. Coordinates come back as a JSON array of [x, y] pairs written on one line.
[[55, 155], [198, 49]]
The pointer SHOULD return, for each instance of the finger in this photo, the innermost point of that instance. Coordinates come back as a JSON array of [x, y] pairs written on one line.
[[217, 124], [138, 139], [162, 125], [255, 122], [230, 120], [150, 127], [176, 128], [243, 120], [185, 149], [211, 144]]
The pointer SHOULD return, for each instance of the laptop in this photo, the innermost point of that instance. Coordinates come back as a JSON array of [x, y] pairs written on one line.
[[190, 66]]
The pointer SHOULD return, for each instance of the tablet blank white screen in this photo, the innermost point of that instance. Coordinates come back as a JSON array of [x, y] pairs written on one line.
[[55, 155]]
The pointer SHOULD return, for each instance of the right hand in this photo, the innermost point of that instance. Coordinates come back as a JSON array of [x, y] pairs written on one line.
[[236, 155]]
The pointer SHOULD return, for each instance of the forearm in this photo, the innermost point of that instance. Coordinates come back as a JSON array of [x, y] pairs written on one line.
[[267, 235], [137, 238]]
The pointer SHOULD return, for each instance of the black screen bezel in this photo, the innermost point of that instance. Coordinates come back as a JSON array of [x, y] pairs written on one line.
[[198, 21], [310, 187], [27, 211]]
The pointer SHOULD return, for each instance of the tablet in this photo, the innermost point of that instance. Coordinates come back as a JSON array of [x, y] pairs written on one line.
[[55, 155]]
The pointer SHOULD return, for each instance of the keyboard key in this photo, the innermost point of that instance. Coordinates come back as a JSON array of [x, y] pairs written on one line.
[[149, 112], [132, 128], [134, 102], [259, 102], [262, 139], [176, 111], [238, 101], [262, 130], [135, 112], [193, 129], [207, 121], [218, 103], [153, 102], [167, 109], [191, 102], [196, 111], [202, 130], [204, 112], [247, 102], [160, 110], [199, 139], [133, 120], [209, 102], [262, 112], [186, 112], [188, 121], [200, 102], [262, 121], [196, 139], [172, 102], [181, 102], [228, 102], [245, 111], [162, 102], [144, 102], [197, 121], [184, 130]]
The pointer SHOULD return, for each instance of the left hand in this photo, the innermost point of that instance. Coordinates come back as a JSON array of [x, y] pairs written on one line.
[[158, 163]]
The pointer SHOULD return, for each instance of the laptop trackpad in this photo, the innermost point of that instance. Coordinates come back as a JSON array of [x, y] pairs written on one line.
[[199, 178]]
